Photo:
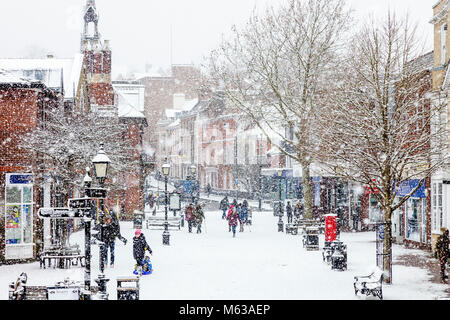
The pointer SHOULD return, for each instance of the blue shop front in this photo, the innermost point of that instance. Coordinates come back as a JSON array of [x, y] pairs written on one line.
[[410, 223]]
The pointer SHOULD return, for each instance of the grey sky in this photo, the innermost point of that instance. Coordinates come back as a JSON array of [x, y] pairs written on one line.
[[139, 30]]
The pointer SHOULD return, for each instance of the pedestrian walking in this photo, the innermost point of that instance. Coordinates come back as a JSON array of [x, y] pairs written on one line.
[[233, 221], [224, 205], [208, 189], [442, 252], [245, 203], [116, 226], [243, 215], [230, 212], [189, 216], [239, 210], [140, 245], [297, 210], [107, 233], [199, 216], [234, 203], [289, 212]]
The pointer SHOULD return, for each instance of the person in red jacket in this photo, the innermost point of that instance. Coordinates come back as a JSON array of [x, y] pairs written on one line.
[[230, 211], [189, 213], [233, 221]]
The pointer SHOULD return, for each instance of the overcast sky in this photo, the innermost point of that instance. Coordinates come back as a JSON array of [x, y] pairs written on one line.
[[140, 30]]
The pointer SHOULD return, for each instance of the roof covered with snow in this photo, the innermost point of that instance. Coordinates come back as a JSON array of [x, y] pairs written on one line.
[[54, 73], [13, 78], [127, 109], [186, 107]]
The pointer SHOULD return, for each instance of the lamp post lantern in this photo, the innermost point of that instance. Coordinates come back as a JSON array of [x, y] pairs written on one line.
[[193, 172], [280, 209], [166, 235], [101, 164], [87, 180]]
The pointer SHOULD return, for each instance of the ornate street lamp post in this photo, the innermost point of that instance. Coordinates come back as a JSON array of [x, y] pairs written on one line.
[[193, 171], [166, 235], [87, 240], [101, 164], [280, 209]]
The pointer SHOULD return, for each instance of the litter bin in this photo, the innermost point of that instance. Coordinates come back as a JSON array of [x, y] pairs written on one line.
[[312, 238], [128, 288], [138, 218], [339, 257]]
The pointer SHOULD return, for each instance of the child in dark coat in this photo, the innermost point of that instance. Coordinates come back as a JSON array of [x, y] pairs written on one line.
[[140, 245]]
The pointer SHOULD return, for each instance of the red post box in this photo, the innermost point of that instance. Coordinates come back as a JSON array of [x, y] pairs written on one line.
[[330, 227]]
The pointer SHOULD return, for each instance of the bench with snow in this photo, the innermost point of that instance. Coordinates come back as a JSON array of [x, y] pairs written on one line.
[[155, 221], [65, 261], [371, 284], [303, 224], [19, 290]]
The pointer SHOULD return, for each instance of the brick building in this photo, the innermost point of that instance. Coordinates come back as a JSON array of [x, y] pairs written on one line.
[[22, 103], [166, 92]]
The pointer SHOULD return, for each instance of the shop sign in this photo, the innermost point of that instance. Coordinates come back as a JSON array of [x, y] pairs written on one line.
[[406, 187], [20, 179]]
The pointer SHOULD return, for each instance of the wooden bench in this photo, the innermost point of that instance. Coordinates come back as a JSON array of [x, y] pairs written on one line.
[[65, 260], [303, 224], [173, 222], [371, 284], [128, 292]]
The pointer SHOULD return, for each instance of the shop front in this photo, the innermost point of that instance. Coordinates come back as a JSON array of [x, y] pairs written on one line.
[[414, 213], [18, 223]]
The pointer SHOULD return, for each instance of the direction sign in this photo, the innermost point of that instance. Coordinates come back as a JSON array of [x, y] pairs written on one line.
[[59, 213], [80, 203], [96, 192]]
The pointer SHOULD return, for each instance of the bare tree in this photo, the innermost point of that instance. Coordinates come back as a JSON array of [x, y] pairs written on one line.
[[275, 68], [380, 128], [67, 142]]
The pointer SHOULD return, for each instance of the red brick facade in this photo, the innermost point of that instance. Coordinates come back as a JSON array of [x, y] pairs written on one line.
[[20, 112]]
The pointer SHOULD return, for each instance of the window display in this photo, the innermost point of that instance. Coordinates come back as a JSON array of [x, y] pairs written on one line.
[[19, 209], [414, 213]]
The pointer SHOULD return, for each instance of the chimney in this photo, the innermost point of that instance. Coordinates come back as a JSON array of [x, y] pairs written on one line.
[[96, 46], [86, 46], [106, 45]]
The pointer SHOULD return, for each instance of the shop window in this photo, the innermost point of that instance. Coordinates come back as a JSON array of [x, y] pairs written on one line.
[[375, 212], [436, 206], [414, 212], [19, 209]]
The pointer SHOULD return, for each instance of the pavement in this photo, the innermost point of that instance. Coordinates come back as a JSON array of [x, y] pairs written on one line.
[[406, 256]]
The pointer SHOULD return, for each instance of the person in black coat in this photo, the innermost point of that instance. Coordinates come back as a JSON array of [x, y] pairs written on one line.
[[224, 206], [140, 245], [289, 212], [111, 231]]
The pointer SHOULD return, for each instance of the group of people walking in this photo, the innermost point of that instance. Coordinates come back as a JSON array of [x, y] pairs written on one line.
[[235, 213], [296, 211], [110, 230], [194, 216]]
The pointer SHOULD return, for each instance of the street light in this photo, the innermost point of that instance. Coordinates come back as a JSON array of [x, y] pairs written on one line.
[[193, 171], [166, 235], [87, 180], [280, 220], [101, 164]]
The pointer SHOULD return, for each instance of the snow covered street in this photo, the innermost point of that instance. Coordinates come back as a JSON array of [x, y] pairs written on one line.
[[259, 264]]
